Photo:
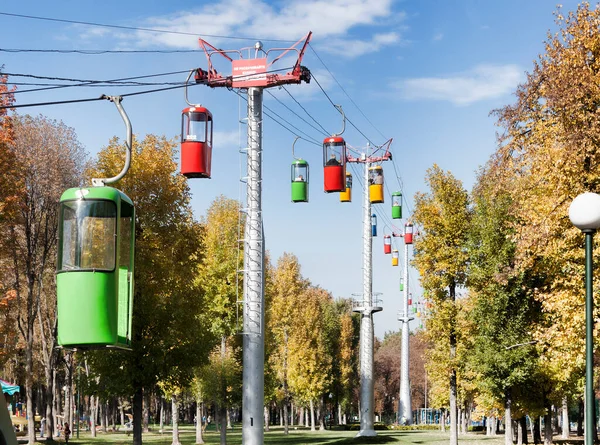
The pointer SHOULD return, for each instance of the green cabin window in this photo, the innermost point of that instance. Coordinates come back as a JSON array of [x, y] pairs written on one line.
[[88, 236]]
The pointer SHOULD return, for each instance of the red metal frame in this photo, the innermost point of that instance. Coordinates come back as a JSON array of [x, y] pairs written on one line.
[[260, 78], [386, 156]]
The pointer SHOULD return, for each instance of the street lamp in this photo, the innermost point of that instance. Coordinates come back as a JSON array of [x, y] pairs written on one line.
[[584, 213]]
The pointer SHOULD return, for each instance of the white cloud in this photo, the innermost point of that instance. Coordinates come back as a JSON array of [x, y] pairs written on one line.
[[330, 20], [482, 82], [437, 37], [354, 48]]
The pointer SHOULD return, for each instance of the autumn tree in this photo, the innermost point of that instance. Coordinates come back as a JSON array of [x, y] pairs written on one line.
[[549, 149], [387, 371], [288, 287], [50, 160], [171, 334], [347, 361], [9, 193], [309, 368], [440, 255]]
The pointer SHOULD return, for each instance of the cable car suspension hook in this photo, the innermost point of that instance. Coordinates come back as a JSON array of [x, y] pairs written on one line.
[[293, 154], [186, 89], [339, 108], [100, 182]]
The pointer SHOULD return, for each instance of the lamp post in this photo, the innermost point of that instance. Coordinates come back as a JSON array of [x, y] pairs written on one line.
[[584, 213]]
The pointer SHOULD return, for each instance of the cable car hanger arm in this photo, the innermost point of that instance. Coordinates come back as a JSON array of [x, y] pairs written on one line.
[[101, 182]]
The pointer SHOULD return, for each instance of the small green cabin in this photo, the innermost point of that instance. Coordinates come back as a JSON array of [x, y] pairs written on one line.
[[94, 278]]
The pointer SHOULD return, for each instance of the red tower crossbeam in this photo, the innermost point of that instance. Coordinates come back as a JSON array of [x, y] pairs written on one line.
[[247, 73], [372, 159]]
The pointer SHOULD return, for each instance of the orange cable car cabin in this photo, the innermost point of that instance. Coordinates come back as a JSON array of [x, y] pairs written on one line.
[[196, 142], [395, 256], [334, 164], [376, 184]]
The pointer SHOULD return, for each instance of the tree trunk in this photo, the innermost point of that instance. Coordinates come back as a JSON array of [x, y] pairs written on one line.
[[137, 409], [103, 416], [453, 384], [453, 412], [49, 427], [267, 417], [285, 417], [548, 426], [223, 420], [520, 432], [508, 432], [321, 415], [523, 428], [565, 419], [199, 438], [29, 384], [175, 417], [537, 436], [106, 416], [312, 416], [162, 416], [146, 411], [443, 421], [580, 418]]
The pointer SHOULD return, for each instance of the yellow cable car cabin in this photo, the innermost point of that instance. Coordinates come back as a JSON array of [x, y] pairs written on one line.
[[376, 184], [346, 196]]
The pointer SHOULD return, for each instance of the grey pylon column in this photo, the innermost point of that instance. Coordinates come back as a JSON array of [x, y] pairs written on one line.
[[404, 405], [253, 386], [366, 322]]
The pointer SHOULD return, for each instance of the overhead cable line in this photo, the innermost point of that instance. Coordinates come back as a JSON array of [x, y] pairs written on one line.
[[137, 28], [347, 95], [68, 79], [325, 132], [82, 82], [347, 119], [293, 112], [122, 95], [94, 52], [269, 113], [398, 178]]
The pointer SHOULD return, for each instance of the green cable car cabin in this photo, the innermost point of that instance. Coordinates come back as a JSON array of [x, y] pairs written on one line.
[[299, 181], [94, 278], [397, 205]]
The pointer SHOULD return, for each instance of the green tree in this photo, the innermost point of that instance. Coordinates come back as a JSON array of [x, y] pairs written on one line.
[[504, 311], [222, 285], [440, 255]]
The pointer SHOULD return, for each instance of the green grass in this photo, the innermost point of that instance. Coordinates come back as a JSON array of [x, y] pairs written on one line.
[[300, 436]]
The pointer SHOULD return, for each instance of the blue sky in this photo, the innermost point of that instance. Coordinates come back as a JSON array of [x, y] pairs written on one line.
[[426, 73]]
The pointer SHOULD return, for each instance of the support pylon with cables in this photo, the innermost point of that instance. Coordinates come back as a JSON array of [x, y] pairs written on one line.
[[367, 306], [252, 74]]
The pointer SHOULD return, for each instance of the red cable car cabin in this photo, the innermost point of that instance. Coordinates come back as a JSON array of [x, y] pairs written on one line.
[[334, 164], [196, 142]]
